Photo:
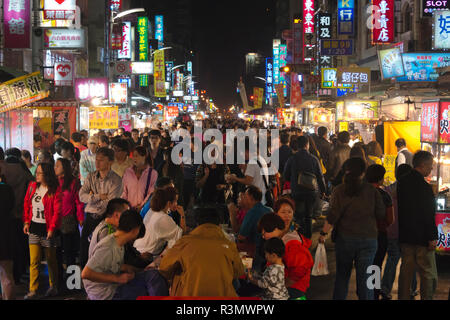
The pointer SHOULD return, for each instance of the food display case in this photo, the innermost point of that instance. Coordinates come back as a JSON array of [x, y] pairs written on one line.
[[435, 138]]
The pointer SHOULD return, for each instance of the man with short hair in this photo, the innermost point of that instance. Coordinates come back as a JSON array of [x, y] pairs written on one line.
[[98, 189], [103, 141], [323, 146], [338, 155], [107, 277], [122, 160], [37, 144], [155, 150], [204, 262], [87, 159], [418, 233], [285, 151], [403, 155], [135, 137], [305, 164]]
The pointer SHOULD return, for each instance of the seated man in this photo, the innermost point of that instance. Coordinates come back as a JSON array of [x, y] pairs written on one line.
[[106, 277], [203, 263]]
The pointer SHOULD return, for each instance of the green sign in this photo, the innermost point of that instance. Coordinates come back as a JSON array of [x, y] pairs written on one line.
[[143, 47]]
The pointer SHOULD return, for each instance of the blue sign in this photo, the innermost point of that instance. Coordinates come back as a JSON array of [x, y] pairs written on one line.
[[344, 92], [346, 16], [422, 66], [125, 80], [159, 30], [179, 105], [336, 47], [269, 78]]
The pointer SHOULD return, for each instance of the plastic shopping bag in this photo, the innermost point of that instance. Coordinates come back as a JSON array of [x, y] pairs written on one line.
[[320, 267]]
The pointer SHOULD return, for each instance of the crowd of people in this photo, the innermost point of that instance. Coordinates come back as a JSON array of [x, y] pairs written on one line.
[[137, 224]]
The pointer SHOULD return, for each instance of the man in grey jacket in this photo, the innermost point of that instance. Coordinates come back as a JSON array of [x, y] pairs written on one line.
[[338, 155]]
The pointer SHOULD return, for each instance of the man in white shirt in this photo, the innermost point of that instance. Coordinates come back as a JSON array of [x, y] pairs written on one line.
[[87, 160], [403, 155]]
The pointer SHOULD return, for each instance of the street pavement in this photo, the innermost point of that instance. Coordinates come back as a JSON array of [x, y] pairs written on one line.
[[321, 287]]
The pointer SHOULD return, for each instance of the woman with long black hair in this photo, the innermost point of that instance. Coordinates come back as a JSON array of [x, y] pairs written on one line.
[[354, 209], [42, 219], [72, 210]]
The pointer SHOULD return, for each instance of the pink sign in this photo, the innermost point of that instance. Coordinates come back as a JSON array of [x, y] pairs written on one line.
[[16, 23], [88, 88], [383, 31]]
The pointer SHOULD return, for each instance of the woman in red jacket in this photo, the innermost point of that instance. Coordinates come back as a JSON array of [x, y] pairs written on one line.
[[72, 211], [297, 258], [42, 218]]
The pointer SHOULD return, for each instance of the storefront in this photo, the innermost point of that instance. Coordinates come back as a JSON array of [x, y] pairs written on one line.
[[323, 117]]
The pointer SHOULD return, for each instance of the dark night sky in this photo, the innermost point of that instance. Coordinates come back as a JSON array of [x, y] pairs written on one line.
[[223, 32]]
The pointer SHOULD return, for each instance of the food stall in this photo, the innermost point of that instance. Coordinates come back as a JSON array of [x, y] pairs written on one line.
[[323, 117], [435, 138]]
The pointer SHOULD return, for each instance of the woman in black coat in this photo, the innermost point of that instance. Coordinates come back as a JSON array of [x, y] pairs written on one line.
[[7, 202]]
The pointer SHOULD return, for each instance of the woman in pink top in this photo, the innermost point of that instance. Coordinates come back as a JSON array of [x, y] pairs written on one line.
[[72, 210], [139, 180]]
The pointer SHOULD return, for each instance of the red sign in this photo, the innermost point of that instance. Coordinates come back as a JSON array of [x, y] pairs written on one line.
[[172, 112], [444, 121], [443, 226], [429, 123], [296, 90], [16, 23], [116, 5], [383, 21], [116, 37], [59, 9], [308, 16]]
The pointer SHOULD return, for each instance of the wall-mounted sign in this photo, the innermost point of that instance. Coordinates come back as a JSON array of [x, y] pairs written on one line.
[[258, 94], [441, 29], [143, 46], [59, 9], [63, 74], [159, 74], [64, 38], [429, 122], [178, 93], [118, 93], [298, 41], [391, 63], [383, 26], [141, 67], [159, 30], [125, 52], [430, 6], [276, 60], [308, 16], [103, 117], [355, 110], [122, 68], [116, 5], [346, 14], [329, 79], [172, 112], [169, 66], [324, 25], [323, 115], [348, 75], [88, 88], [16, 23], [21, 91], [269, 78], [444, 122], [422, 66], [336, 47]]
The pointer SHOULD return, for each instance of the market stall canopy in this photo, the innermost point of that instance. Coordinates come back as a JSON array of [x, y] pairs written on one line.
[[23, 90], [7, 74]]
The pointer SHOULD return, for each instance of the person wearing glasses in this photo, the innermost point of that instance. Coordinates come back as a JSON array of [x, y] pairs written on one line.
[[155, 150], [122, 161]]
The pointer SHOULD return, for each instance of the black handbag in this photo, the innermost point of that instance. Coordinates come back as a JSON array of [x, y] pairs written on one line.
[[307, 180]]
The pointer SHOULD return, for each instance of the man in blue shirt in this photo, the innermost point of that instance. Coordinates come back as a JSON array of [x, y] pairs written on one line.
[[249, 228]]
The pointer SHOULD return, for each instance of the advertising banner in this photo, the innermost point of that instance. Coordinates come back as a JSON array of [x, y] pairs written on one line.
[[384, 21], [159, 30], [172, 112], [116, 5], [124, 114], [243, 94], [141, 67], [430, 6], [258, 94], [422, 66], [323, 115], [269, 78], [103, 117], [22, 129], [324, 26], [391, 63], [336, 47], [308, 16], [20, 91], [276, 60], [298, 41], [61, 123], [143, 46], [346, 16], [159, 74], [280, 94], [429, 122], [360, 110], [64, 38], [443, 226], [441, 29], [348, 75], [63, 74], [409, 130], [296, 90], [118, 93], [59, 9], [17, 23], [88, 88], [444, 122], [125, 52]]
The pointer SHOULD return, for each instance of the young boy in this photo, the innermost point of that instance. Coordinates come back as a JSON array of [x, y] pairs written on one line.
[[273, 277], [375, 175]]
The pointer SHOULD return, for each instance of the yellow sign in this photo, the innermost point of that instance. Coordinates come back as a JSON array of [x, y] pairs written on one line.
[[408, 130], [20, 91], [356, 110], [258, 97], [389, 165], [159, 74], [343, 126], [103, 117]]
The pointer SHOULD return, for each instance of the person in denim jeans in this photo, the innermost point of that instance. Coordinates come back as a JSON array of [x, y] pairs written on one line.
[[354, 209]]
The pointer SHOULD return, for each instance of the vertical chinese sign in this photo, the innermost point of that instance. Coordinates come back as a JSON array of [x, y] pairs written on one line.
[[296, 91], [324, 26], [116, 5], [383, 24], [441, 30], [258, 95], [444, 122], [346, 16], [143, 47], [159, 30], [298, 41], [276, 61], [308, 26], [159, 74], [283, 62], [16, 23], [125, 52], [269, 79], [429, 122]]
